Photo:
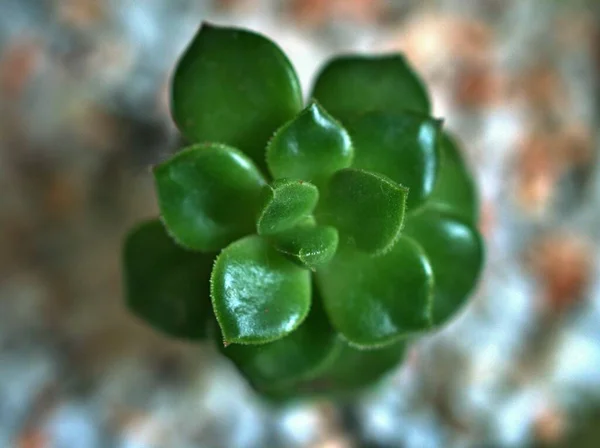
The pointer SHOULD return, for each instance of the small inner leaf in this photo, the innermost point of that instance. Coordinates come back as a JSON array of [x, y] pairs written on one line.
[[308, 245], [284, 203], [165, 285], [455, 250], [258, 295], [355, 84], [208, 195], [367, 208], [310, 147], [375, 301], [401, 146], [235, 87], [455, 188]]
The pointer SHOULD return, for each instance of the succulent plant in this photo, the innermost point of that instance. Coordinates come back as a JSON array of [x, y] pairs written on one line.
[[310, 241]]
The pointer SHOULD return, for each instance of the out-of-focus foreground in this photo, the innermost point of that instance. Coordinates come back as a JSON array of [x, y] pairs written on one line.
[[84, 112]]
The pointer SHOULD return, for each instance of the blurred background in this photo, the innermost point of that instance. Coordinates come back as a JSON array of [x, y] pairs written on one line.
[[84, 113]]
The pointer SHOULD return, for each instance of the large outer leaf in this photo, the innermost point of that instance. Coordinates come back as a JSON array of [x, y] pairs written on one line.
[[165, 285], [373, 301], [455, 250], [351, 85], [236, 87], [310, 147], [208, 195], [455, 188], [402, 146], [258, 295]]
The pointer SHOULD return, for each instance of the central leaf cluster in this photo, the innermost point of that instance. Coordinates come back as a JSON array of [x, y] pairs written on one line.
[[336, 229]]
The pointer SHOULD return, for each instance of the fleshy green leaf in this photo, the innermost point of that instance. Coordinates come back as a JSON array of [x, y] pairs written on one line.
[[374, 301], [282, 363], [258, 295], [455, 250], [308, 245], [367, 209], [208, 195], [351, 85], [284, 203], [310, 147], [455, 188], [166, 285], [402, 146], [235, 87]]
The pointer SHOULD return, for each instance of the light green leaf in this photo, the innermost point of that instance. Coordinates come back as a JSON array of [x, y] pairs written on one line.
[[310, 147], [258, 295], [401, 146], [309, 246], [284, 203], [208, 195], [375, 301], [366, 208]]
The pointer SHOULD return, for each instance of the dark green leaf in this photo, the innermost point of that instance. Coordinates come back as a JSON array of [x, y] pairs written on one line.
[[208, 195], [236, 87], [367, 209], [308, 245], [282, 363], [351, 85], [258, 295], [455, 188], [310, 147], [350, 369], [165, 285], [455, 250], [374, 301], [284, 203], [404, 147]]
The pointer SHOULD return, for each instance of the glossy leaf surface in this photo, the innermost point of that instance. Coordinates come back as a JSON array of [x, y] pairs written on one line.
[[352, 85], [165, 285], [372, 301], [455, 251], [455, 187], [367, 209], [403, 147], [308, 245], [282, 363], [284, 203], [236, 87], [208, 195], [258, 295], [310, 147]]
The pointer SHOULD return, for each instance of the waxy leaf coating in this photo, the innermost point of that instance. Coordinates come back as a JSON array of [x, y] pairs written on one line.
[[310, 147], [208, 195], [455, 188], [309, 246], [285, 203], [236, 87], [258, 295], [166, 285], [401, 146], [352, 85], [283, 363], [455, 250], [367, 209], [373, 301]]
